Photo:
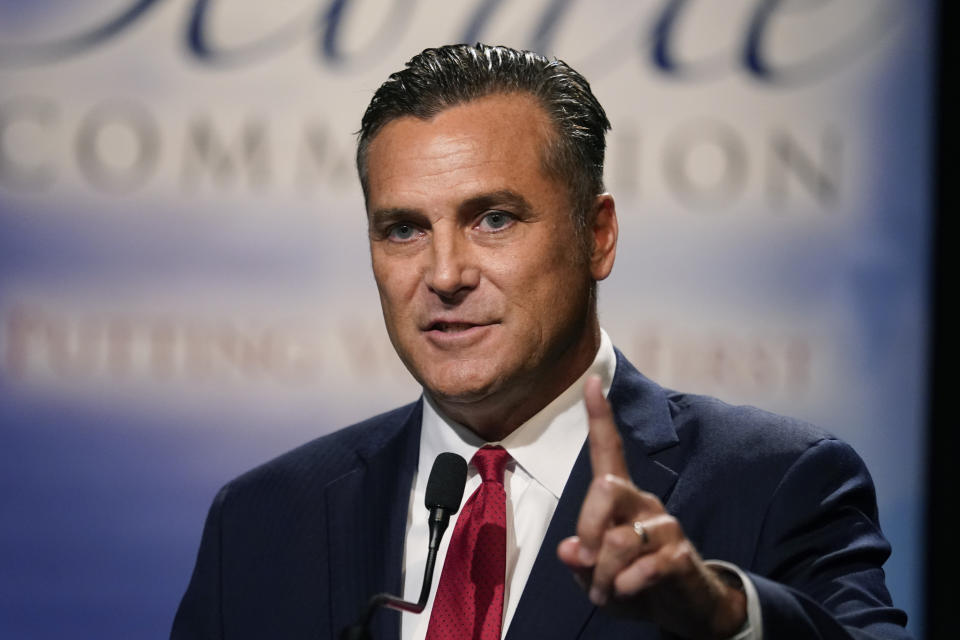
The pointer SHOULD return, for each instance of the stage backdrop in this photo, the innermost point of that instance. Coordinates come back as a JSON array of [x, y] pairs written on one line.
[[186, 288]]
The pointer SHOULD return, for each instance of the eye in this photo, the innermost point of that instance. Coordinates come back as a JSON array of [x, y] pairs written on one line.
[[496, 220], [402, 232]]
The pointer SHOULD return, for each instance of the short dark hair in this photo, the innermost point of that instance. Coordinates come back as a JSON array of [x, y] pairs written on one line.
[[439, 78]]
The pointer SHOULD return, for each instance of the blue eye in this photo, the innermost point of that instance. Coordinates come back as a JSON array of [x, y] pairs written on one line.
[[496, 220], [402, 232]]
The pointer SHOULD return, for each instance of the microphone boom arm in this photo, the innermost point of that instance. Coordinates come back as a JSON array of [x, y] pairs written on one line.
[[443, 496], [439, 519]]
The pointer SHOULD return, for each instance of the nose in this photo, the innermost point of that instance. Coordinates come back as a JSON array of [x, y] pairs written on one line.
[[452, 271]]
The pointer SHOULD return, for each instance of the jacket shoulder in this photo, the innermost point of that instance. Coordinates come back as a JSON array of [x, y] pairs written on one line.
[[330, 456], [742, 431]]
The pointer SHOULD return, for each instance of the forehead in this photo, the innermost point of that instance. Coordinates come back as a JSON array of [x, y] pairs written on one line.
[[497, 136]]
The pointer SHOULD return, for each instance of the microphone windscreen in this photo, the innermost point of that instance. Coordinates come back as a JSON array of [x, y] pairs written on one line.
[[445, 486]]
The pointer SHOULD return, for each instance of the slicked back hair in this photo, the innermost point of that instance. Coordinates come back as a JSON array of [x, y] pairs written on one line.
[[437, 79]]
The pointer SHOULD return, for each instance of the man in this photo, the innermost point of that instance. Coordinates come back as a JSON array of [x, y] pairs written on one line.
[[489, 229]]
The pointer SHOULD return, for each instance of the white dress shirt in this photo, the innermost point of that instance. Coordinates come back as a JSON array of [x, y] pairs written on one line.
[[543, 451]]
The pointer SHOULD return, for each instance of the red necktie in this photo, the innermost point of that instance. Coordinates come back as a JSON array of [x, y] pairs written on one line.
[[469, 600]]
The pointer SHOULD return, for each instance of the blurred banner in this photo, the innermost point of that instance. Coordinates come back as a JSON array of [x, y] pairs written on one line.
[[186, 288]]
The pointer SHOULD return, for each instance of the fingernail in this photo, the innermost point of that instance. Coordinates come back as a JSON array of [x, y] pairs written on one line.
[[586, 556], [597, 597]]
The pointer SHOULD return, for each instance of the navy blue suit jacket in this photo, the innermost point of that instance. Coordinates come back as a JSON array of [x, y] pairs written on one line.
[[294, 548]]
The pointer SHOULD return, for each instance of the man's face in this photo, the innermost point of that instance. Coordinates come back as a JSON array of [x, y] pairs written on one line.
[[486, 293]]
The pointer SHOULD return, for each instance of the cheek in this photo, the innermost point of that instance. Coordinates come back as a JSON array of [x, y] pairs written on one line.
[[398, 293], [539, 269], [390, 276]]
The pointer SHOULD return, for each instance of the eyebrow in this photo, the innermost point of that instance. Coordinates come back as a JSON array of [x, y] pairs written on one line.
[[478, 202], [381, 216], [497, 198]]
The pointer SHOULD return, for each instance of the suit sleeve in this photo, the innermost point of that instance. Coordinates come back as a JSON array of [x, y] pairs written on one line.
[[817, 568], [199, 614]]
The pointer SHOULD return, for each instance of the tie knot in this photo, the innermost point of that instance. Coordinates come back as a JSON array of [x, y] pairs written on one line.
[[490, 463]]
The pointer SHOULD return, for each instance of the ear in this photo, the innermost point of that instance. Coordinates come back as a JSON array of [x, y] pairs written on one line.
[[604, 235]]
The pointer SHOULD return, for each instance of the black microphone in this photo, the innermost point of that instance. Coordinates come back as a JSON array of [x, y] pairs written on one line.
[[444, 492]]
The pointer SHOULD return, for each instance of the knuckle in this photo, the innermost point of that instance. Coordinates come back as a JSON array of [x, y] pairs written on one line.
[[684, 553], [683, 559], [670, 526], [618, 539], [648, 497], [620, 484], [608, 486]]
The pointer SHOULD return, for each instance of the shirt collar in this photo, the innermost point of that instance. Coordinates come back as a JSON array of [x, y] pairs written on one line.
[[546, 446]]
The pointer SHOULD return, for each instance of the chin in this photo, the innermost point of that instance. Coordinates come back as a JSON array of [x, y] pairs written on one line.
[[462, 384]]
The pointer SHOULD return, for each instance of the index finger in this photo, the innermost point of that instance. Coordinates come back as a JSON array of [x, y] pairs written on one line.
[[606, 447]]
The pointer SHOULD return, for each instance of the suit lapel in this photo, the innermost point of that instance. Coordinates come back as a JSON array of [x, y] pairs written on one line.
[[552, 605], [366, 521]]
